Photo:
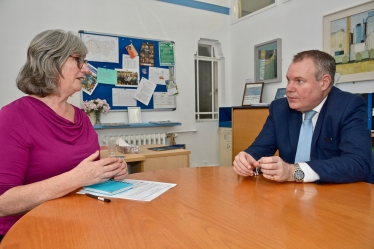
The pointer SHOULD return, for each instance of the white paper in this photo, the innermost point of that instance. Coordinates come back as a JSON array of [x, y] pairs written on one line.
[[130, 64], [145, 91], [122, 143], [123, 97], [101, 48], [158, 75], [141, 191], [163, 100], [135, 115]]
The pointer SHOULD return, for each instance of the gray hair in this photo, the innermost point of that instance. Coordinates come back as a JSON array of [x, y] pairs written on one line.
[[47, 52], [324, 62]]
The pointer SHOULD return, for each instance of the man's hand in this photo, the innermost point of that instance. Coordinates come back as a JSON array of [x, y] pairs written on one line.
[[244, 164], [274, 168]]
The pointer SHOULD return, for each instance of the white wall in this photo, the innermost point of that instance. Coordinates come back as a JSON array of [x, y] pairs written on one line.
[[21, 20], [299, 23]]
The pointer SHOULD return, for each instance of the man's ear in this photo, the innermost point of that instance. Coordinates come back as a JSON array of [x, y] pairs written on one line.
[[325, 81]]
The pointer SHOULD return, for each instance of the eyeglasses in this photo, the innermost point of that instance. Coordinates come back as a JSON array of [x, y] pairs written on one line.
[[80, 61]]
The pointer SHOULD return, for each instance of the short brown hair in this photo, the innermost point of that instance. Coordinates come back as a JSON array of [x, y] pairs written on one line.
[[47, 52], [325, 63]]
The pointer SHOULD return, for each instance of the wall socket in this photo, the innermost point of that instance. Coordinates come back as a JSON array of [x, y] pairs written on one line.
[[205, 162]]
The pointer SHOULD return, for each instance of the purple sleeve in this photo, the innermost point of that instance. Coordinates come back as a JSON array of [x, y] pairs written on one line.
[[14, 151]]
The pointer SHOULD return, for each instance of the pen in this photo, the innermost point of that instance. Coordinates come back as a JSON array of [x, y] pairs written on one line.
[[98, 197]]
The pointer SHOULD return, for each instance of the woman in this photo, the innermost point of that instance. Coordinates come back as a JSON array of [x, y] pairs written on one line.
[[48, 147]]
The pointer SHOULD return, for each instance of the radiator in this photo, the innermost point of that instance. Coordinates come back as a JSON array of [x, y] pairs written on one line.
[[140, 139]]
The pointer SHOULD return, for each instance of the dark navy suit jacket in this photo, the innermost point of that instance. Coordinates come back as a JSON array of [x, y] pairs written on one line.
[[341, 143]]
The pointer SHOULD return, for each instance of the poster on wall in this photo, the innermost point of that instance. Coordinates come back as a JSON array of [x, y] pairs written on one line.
[[147, 54], [166, 52]]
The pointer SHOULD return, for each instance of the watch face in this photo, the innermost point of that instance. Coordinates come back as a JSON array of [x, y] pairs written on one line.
[[299, 175]]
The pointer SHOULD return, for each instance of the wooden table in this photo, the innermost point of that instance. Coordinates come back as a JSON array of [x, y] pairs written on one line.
[[209, 208], [149, 160]]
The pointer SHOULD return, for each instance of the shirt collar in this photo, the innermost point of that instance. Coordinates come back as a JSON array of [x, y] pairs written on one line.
[[319, 107]]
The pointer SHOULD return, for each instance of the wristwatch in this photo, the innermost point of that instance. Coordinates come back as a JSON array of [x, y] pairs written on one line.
[[298, 174]]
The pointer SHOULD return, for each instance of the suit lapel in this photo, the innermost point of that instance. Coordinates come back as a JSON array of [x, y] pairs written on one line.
[[295, 120], [318, 127]]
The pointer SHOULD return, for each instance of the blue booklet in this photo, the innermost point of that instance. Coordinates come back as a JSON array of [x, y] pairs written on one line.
[[110, 187]]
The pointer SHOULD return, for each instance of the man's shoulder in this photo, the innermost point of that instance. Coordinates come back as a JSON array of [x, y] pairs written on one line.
[[340, 97], [280, 108], [279, 104]]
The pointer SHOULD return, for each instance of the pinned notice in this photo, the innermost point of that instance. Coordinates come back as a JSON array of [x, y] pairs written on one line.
[[106, 76], [145, 91]]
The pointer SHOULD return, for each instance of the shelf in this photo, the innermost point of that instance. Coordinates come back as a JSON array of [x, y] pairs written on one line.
[[141, 125]]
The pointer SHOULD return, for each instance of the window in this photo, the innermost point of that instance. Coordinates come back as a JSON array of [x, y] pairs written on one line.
[[243, 8], [207, 73]]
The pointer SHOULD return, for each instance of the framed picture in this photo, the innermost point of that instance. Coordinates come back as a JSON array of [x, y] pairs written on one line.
[[268, 61], [252, 93], [348, 35], [135, 115], [281, 93]]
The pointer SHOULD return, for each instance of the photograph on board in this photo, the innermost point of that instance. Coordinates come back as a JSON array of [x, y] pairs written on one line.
[[147, 54], [89, 82], [127, 78]]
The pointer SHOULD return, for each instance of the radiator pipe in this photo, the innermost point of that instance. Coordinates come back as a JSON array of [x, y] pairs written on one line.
[[171, 132], [173, 135]]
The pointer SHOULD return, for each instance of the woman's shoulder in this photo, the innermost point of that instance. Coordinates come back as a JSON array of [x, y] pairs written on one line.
[[12, 115], [17, 105]]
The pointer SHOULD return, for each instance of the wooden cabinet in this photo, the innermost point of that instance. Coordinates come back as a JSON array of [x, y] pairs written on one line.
[[149, 160], [167, 159], [247, 122]]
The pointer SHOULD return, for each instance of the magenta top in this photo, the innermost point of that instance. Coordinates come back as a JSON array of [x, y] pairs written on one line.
[[37, 144]]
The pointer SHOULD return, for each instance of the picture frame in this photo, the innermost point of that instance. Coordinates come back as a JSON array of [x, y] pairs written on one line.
[[135, 115], [354, 62], [252, 93], [268, 61], [281, 93]]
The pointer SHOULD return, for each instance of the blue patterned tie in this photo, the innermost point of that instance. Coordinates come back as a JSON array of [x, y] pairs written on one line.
[[305, 138]]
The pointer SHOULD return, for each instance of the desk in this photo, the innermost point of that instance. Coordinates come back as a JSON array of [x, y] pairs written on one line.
[[149, 160], [209, 208]]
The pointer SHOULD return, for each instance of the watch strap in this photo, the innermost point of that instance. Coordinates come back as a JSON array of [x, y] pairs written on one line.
[[298, 174]]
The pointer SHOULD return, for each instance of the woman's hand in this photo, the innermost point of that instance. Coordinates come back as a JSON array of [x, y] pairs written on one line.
[[90, 172], [123, 173]]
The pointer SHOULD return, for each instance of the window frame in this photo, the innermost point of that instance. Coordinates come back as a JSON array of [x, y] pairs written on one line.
[[217, 57], [235, 9]]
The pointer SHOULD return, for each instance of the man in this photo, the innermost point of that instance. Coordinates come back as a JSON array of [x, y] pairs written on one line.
[[340, 146]]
